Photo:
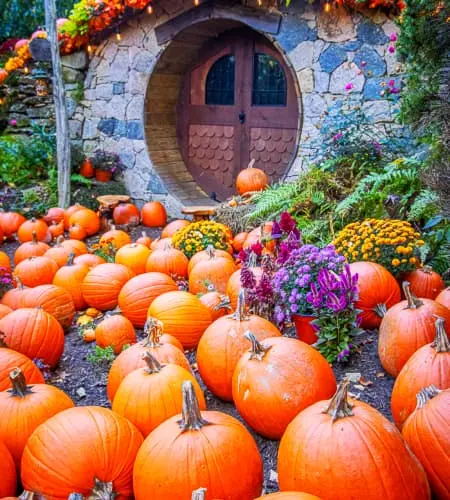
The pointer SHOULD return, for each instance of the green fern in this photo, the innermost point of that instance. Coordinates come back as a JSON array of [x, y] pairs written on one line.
[[274, 200], [424, 206]]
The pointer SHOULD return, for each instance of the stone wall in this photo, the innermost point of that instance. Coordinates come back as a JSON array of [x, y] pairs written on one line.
[[326, 52]]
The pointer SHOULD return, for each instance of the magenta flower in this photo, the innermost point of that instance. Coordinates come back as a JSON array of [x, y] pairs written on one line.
[[349, 86], [393, 37], [338, 136], [395, 90], [391, 49], [13, 122], [391, 83]]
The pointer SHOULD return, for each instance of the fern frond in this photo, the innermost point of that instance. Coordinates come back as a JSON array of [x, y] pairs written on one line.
[[274, 200], [424, 206]]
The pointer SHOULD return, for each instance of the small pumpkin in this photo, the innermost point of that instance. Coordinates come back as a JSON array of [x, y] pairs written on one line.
[[88, 259], [10, 223], [116, 331], [54, 215], [102, 285], [208, 449], [169, 261], [26, 230], [277, 379], [87, 219], [36, 271], [154, 214], [335, 432], [69, 212], [164, 348], [211, 274], [4, 261], [261, 234], [206, 255], [444, 298], [33, 248], [251, 179], [59, 253], [149, 396], [406, 327], [34, 333], [116, 237], [134, 256], [81, 444], [217, 303], [182, 315], [77, 232], [56, 230], [126, 214], [238, 241], [425, 283], [378, 292], [161, 243], [427, 432], [8, 484], [222, 345], [144, 240], [88, 335], [70, 278], [4, 310], [429, 365], [76, 246], [138, 293], [24, 407], [173, 227], [234, 285]]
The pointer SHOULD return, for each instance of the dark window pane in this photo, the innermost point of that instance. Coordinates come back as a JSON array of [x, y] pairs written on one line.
[[220, 82], [269, 82]]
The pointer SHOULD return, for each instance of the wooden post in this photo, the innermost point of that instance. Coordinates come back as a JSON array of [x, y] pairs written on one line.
[[59, 98]]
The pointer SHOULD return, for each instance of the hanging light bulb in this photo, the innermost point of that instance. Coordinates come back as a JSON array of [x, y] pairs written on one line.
[[327, 7], [118, 36], [149, 9], [196, 3], [26, 70], [89, 49], [260, 2]]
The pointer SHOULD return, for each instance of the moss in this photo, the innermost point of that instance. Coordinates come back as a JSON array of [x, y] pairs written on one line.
[[88, 195]]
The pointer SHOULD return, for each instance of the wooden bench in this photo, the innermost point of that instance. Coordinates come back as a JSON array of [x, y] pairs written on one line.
[[199, 212]]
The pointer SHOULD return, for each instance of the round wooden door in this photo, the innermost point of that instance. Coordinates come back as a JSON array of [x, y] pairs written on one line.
[[239, 103]]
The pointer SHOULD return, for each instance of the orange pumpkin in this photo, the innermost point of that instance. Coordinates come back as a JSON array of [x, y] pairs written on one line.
[[336, 431], [68, 214], [173, 227], [54, 300], [4, 310], [116, 237], [13, 298], [26, 230], [261, 234], [406, 327], [76, 246], [9, 360], [4, 261], [211, 274], [81, 444], [35, 333], [378, 291], [208, 449], [126, 214], [164, 348], [10, 223], [59, 253], [136, 295], [36, 271], [8, 484], [161, 243], [116, 331], [238, 241], [54, 215], [87, 219], [182, 315], [33, 248], [133, 256], [251, 179], [425, 283], [77, 232], [102, 285], [169, 261], [144, 239], [275, 380], [206, 255], [25, 407], [70, 278], [149, 396], [234, 285], [154, 214], [288, 495], [427, 432], [444, 298], [429, 365], [56, 230], [88, 259], [218, 304], [86, 169], [223, 344]]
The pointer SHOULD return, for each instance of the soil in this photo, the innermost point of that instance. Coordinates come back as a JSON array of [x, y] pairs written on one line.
[[85, 381]]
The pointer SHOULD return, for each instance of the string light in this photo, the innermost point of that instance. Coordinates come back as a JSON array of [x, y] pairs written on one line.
[[260, 2], [196, 3], [118, 36], [149, 9], [89, 49], [327, 7], [26, 70]]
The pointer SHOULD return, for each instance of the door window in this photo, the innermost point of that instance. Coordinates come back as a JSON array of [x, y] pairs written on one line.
[[269, 82], [220, 82]]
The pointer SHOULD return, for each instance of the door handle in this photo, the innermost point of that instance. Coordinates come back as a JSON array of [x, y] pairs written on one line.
[[242, 117]]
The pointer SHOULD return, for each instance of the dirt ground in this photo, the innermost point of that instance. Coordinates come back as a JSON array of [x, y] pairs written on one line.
[[85, 381]]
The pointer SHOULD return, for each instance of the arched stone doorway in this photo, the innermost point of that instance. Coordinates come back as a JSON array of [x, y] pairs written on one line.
[[207, 112]]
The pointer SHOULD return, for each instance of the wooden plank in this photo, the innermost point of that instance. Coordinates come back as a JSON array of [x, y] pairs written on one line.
[[160, 143], [152, 118], [162, 80], [164, 157], [160, 131]]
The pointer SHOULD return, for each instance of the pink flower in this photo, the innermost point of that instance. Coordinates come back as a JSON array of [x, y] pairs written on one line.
[[394, 90], [13, 122], [391, 83], [349, 86], [393, 37], [363, 63], [391, 49], [338, 136]]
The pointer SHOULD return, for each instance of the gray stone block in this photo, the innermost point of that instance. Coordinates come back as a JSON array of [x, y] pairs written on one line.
[[155, 184], [370, 33], [77, 60], [370, 62], [332, 57], [118, 88], [294, 31], [135, 130], [107, 126]]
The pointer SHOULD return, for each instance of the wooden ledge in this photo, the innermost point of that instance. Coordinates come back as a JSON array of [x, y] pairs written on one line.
[[201, 212]]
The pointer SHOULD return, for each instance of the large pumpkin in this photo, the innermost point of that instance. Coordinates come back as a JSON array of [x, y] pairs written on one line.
[[116, 331], [234, 285], [288, 495], [25, 407], [36, 271], [427, 432], [26, 230], [8, 484], [134, 256], [89, 259], [126, 214], [173, 227], [70, 278], [54, 300], [222, 345], [169, 261], [341, 449], [208, 449], [76, 246], [87, 219], [217, 303], [10, 223], [444, 298], [116, 237], [13, 298], [154, 214], [182, 315], [9, 360], [207, 254], [378, 291], [429, 365], [238, 241], [33, 248], [60, 253], [102, 285], [70, 449], [164, 348], [35, 333], [251, 179], [149, 396], [5, 261], [136, 295], [406, 327], [425, 283], [277, 379], [211, 274], [4, 310]]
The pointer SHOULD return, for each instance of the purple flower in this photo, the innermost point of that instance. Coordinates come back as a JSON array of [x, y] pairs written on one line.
[[13, 122], [276, 230], [391, 83], [287, 223], [338, 136], [349, 86], [393, 37], [248, 280], [391, 49], [395, 90]]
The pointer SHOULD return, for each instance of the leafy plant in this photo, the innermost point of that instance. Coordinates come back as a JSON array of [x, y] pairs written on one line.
[[103, 160], [436, 249], [98, 355], [80, 179]]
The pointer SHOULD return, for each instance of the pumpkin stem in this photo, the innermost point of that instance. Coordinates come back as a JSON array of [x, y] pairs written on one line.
[[34, 238], [210, 250], [70, 259], [59, 240], [27, 495], [153, 365], [239, 314], [252, 162], [380, 310], [19, 283], [425, 395], [427, 269], [340, 406], [191, 416], [223, 304], [75, 496], [252, 260], [441, 342], [102, 491], [144, 234], [19, 384], [153, 328], [199, 494], [413, 301], [258, 350]]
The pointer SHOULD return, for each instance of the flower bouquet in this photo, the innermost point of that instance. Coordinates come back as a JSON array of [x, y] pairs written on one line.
[[106, 164]]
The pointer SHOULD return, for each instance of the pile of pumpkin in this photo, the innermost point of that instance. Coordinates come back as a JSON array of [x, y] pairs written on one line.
[[159, 441]]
